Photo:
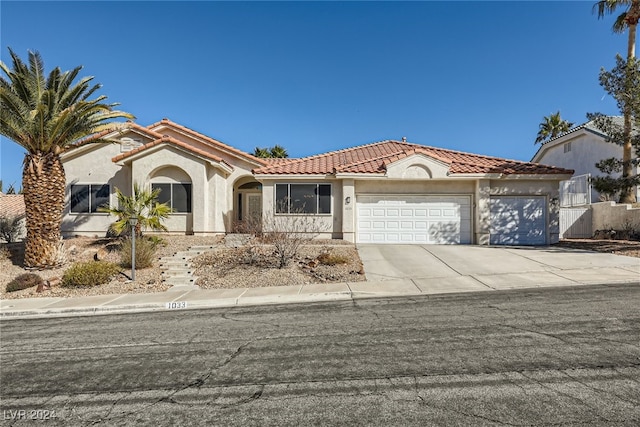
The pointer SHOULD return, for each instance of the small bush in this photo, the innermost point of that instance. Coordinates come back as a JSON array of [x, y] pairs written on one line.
[[145, 252], [327, 258], [88, 274], [10, 228], [24, 281], [157, 241]]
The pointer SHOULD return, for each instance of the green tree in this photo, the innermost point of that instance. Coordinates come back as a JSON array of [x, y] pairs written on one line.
[[627, 20], [277, 151], [143, 204], [47, 116], [551, 127], [623, 84]]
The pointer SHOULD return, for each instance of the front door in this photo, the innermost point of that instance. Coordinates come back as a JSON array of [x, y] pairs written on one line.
[[254, 206]]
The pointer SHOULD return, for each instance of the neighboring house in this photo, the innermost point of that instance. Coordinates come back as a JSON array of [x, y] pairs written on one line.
[[12, 206], [580, 149], [385, 192]]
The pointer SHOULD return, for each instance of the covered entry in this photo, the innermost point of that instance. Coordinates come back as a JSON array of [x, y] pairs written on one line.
[[413, 219]]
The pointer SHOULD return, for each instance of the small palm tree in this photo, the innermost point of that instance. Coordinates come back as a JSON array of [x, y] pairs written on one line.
[[47, 116], [142, 205], [551, 127]]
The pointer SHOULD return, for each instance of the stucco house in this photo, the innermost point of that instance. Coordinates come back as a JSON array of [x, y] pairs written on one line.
[[580, 149], [384, 192]]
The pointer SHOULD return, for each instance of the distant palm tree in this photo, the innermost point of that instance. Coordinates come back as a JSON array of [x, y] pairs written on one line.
[[277, 151], [142, 205], [551, 127], [46, 116], [626, 20]]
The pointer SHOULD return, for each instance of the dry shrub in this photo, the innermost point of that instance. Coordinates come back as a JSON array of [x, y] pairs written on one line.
[[89, 274], [145, 252], [24, 281], [328, 258]]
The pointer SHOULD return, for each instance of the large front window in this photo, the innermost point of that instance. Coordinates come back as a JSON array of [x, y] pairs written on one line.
[[303, 198], [87, 198], [177, 196]]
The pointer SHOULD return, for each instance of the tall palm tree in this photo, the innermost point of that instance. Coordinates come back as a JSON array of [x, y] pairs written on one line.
[[628, 19], [142, 205], [46, 116], [552, 126]]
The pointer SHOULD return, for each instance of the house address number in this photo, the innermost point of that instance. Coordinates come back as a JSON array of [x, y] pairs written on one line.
[[175, 305]]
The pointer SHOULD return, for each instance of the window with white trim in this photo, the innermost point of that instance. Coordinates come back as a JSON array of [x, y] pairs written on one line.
[[87, 198], [303, 198], [176, 195], [567, 147]]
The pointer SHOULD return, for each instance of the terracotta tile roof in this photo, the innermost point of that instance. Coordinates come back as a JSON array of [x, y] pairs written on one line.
[[374, 158], [12, 205], [211, 141], [165, 139], [117, 127]]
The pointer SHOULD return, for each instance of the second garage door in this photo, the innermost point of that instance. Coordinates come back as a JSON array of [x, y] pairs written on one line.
[[518, 220], [414, 219]]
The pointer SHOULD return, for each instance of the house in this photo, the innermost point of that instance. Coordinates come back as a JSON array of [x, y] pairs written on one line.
[[580, 149], [384, 192], [12, 206]]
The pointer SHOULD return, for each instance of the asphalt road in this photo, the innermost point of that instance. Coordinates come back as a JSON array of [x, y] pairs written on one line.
[[536, 357]]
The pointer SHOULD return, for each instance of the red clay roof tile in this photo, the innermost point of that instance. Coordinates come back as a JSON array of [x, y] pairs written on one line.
[[374, 159]]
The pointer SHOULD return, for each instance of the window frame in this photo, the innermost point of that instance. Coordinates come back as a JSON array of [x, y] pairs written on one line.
[[317, 196], [171, 201], [91, 198]]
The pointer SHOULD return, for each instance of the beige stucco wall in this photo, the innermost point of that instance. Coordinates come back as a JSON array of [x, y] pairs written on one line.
[[612, 216], [324, 226], [92, 165]]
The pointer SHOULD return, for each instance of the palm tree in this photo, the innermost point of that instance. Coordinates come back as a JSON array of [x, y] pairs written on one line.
[[277, 151], [142, 205], [552, 126], [626, 20], [47, 116]]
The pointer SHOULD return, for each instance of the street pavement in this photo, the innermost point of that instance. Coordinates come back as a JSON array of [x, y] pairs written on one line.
[[391, 270]]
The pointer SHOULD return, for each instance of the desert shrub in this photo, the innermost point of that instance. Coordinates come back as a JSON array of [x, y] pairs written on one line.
[[157, 241], [145, 252], [24, 281], [91, 273], [10, 228], [328, 258]]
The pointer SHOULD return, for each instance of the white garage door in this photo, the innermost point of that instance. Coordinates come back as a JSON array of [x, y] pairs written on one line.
[[413, 219], [518, 220]]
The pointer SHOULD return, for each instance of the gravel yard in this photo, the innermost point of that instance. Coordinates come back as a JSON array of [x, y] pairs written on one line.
[[226, 268]]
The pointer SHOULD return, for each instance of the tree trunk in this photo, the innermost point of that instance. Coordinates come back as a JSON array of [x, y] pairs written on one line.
[[628, 195], [43, 183]]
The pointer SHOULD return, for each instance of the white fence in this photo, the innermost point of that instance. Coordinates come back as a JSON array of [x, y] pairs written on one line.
[[576, 223], [575, 191]]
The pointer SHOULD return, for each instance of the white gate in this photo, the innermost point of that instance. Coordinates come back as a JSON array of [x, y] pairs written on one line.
[[576, 191], [575, 223]]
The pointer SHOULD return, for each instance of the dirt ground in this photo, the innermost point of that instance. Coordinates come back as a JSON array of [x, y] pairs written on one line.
[[618, 247]]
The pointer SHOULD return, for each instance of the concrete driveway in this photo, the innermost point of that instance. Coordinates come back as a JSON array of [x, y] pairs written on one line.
[[461, 268]]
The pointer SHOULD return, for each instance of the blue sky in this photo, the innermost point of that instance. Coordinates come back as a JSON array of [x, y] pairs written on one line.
[[317, 76]]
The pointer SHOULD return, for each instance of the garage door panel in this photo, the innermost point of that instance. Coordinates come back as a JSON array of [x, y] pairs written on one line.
[[414, 219], [518, 220]]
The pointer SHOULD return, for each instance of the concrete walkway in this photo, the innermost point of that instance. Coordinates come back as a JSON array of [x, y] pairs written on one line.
[[391, 270]]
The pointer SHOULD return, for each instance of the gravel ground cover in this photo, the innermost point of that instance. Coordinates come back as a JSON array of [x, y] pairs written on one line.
[[224, 268]]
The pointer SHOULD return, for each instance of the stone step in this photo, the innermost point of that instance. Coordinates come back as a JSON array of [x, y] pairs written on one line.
[[175, 273], [179, 280]]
